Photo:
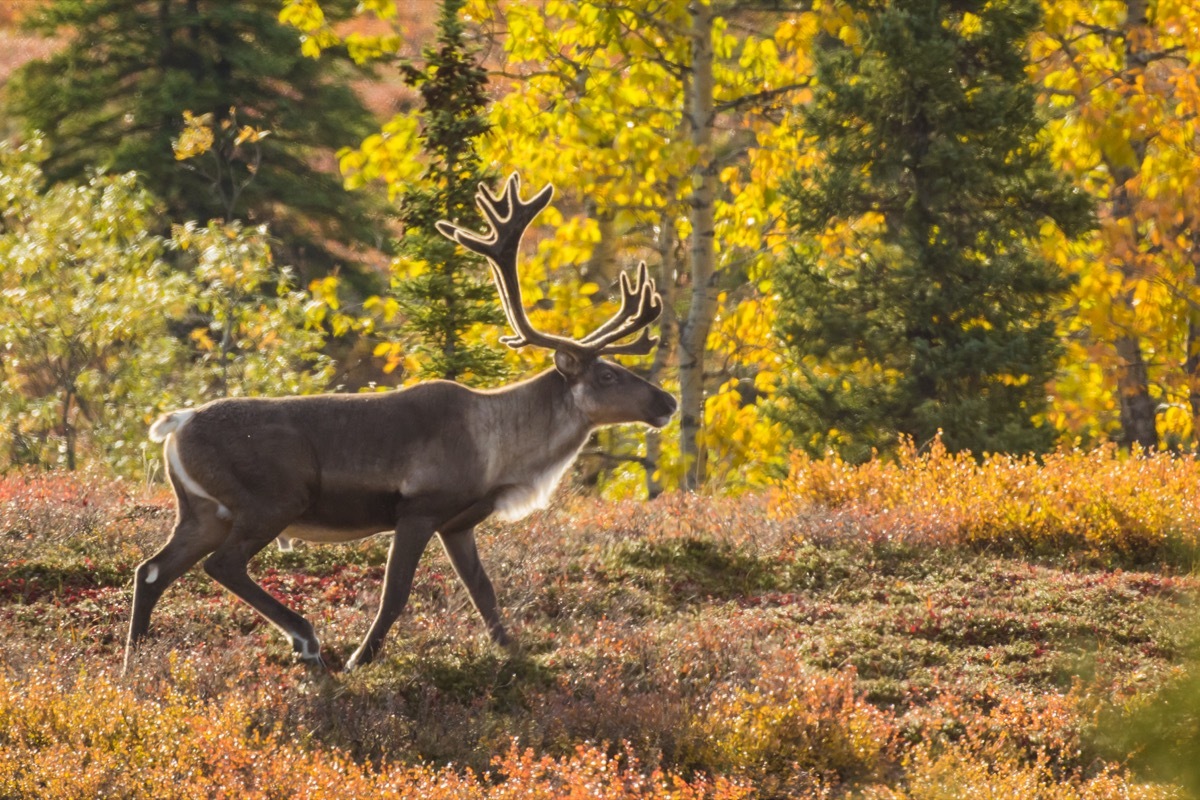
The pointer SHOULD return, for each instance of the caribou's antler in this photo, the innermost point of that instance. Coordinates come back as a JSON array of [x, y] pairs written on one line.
[[640, 306], [508, 216]]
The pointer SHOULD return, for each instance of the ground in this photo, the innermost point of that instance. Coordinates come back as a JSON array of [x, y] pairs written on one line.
[[730, 649]]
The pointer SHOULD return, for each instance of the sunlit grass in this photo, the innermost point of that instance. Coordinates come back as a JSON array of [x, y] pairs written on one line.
[[1101, 503], [866, 631]]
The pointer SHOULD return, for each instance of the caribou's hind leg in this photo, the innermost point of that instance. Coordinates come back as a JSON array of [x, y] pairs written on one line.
[[228, 567], [198, 531]]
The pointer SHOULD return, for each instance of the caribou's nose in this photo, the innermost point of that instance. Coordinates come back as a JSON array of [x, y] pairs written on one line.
[[666, 409]]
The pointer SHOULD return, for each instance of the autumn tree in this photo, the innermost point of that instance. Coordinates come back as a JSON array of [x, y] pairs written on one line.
[[663, 125], [1120, 81], [85, 302], [916, 299], [113, 97], [250, 328], [100, 333], [440, 292]]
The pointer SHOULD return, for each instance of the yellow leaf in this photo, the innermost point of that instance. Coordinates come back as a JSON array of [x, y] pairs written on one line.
[[250, 134]]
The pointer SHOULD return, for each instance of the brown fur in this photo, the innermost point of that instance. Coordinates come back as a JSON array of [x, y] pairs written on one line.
[[435, 458]]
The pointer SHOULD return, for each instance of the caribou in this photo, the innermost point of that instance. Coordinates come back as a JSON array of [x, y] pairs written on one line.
[[435, 458]]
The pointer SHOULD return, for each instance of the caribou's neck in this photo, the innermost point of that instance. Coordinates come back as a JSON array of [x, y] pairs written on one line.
[[532, 425], [534, 432]]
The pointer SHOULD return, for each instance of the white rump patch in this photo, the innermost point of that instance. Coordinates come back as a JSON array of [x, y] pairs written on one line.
[[152, 573], [168, 423], [523, 499], [189, 483]]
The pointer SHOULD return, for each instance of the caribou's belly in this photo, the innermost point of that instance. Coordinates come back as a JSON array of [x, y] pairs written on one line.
[[329, 534], [344, 515]]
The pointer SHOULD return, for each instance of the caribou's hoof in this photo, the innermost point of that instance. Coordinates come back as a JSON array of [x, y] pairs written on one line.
[[512, 647], [357, 659], [310, 653]]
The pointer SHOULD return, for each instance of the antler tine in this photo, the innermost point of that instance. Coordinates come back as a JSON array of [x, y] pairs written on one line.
[[638, 347], [498, 208], [640, 305], [508, 217], [630, 300]]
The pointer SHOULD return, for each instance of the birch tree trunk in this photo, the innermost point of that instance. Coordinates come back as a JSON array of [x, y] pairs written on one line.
[[1137, 407], [694, 330], [668, 335]]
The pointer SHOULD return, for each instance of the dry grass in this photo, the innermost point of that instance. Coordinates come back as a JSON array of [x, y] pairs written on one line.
[[690, 647]]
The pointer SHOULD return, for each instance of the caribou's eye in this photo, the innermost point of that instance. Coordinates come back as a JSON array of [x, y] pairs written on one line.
[[606, 377]]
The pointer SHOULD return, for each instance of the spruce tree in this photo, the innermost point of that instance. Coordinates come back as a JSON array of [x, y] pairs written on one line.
[[915, 299], [113, 98], [449, 292]]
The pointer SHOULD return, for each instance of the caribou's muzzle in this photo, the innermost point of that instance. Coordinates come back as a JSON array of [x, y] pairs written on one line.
[[666, 409]]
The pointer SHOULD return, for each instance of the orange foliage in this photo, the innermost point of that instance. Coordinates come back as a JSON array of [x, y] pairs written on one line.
[[1100, 500], [89, 735], [686, 648]]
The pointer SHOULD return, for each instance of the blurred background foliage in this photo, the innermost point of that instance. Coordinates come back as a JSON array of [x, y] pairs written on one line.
[[871, 220]]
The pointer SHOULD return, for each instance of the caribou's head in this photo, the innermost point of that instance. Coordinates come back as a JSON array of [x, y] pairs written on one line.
[[604, 391]]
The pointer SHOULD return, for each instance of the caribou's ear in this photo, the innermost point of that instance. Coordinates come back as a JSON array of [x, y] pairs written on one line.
[[569, 363]]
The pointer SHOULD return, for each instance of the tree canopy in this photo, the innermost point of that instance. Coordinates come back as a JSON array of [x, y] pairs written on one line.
[[440, 292], [113, 97], [916, 299], [866, 217]]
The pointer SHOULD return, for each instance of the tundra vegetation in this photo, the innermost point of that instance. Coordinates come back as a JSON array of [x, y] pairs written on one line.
[[868, 220], [932, 627]]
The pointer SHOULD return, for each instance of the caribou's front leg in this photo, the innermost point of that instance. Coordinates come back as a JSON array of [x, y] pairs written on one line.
[[460, 547], [228, 565], [403, 556]]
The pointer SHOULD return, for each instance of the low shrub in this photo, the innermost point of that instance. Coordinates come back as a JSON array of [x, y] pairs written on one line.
[[959, 771], [790, 732], [686, 647], [65, 735], [1130, 507]]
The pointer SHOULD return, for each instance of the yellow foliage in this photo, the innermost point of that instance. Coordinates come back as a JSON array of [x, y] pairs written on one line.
[[196, 138], [785, 727], [364, 48], [970, 26], [1123, 125], [88, 735], [957, 771], [308, 17], [1099, 500], [747, 449], [392, 156]]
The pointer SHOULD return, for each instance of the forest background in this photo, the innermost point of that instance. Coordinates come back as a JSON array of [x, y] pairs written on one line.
[[930, 273], [176, 227]]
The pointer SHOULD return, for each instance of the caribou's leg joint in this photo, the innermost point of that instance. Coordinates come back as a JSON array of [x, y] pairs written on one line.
[[308, 650]]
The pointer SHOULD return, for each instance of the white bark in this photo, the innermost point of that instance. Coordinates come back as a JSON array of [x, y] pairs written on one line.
[[694, 330]]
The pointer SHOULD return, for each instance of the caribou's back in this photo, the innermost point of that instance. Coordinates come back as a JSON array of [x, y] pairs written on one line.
[[293, 451], [388, 429]]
